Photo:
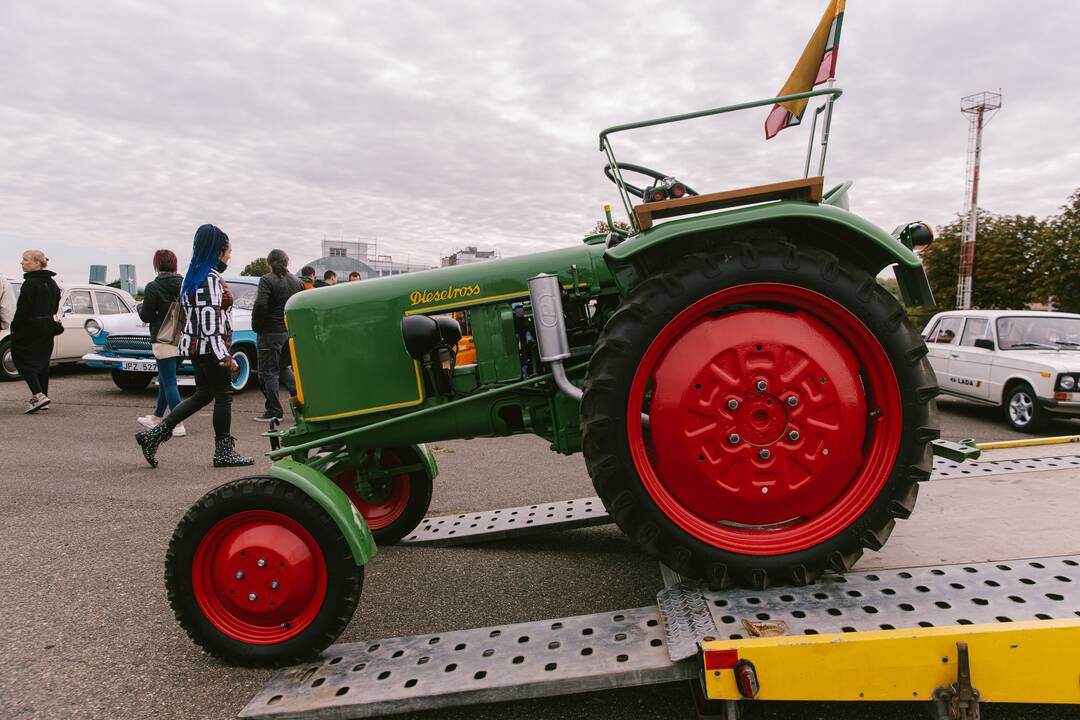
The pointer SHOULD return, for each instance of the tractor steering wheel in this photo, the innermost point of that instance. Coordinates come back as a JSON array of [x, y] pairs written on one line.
[[642, 170]]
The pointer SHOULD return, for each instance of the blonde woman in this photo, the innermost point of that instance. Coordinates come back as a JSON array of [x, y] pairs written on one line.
[[34, 327]]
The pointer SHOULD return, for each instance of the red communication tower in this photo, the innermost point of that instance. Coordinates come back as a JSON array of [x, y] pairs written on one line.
[[979, 108]]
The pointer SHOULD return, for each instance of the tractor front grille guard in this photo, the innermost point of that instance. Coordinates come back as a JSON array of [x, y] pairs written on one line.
[[826, 107]]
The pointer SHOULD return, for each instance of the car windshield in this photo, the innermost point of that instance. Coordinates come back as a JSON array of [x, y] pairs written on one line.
[[243, 295], [1051, 333]]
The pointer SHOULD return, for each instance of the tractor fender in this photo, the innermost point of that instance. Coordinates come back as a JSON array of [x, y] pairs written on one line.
[[837, 230], [334, 501], [428, 458]]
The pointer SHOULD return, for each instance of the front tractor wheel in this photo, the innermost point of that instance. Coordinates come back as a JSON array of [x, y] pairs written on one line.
[[259, 575], [759, 414], [394, 499]]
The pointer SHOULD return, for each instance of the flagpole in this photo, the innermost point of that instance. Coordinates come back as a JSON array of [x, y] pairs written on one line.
[[825, 129]]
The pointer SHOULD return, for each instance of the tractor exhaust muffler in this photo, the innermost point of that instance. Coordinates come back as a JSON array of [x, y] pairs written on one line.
[[550, 328]]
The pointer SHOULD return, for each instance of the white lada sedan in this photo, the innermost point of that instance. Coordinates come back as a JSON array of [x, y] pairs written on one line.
[[1025, 361]]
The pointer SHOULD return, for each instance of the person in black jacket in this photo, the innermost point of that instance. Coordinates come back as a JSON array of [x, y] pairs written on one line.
[[34, 327], [159, 295], [268, 320]]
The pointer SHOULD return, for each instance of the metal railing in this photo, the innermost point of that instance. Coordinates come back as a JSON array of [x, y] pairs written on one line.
[[832, 93]]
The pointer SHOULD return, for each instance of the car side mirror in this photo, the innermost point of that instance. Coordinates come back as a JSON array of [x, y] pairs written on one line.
[[984, 343], [138, 307], [65, 311]]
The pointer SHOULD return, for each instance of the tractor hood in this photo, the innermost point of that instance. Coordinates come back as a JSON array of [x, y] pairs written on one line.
[[350, 358]]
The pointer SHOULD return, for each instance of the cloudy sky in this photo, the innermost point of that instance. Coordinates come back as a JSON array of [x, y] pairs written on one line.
[[124, 124]]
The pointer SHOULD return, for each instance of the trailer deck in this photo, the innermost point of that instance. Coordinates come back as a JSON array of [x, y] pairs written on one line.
[[909, 613]]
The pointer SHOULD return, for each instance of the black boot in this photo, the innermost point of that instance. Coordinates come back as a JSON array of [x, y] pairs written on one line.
[[150, 440], [225, 454]]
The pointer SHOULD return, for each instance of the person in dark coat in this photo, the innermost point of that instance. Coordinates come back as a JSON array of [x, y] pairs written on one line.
[[268, 320], [159, 295], [34, 327]]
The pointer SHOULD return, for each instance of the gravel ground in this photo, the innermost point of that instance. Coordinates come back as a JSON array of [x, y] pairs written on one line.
[[86, 523]]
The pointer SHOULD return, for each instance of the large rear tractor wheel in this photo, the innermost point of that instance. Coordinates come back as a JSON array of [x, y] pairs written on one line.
[[259, 575], [759, 414], [394, 504]]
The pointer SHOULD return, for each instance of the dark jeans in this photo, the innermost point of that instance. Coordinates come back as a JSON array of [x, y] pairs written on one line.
[[31, 352], [272, 369], [168, 395], [212, 382]]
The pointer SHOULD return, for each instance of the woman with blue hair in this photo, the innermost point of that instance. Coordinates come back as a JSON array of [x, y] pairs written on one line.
[[206, 338]]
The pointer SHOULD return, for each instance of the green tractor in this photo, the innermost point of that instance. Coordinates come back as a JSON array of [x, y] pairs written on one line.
[[753, 407]]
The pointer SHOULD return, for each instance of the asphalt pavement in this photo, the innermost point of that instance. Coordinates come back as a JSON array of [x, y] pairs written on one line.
[[85, 524]]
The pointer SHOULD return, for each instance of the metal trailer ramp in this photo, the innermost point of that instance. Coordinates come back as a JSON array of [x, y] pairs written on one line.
[[635, 647], [465, 528]]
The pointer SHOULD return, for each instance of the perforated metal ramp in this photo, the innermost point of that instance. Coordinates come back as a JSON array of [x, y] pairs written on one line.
[[628, 647], [465, 528], [464, 667]]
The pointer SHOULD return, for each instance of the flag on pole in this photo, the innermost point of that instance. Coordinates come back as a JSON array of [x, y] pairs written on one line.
[[816, 65]]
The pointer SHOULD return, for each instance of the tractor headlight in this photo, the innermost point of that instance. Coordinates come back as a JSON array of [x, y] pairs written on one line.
[[1067, 382], [92, 327]]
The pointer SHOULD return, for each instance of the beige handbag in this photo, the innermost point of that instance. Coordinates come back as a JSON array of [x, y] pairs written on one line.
[[168, 337]]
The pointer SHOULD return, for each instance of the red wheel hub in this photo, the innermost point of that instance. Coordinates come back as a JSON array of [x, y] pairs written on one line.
[[259, 577], [774, 418], [389, 499]]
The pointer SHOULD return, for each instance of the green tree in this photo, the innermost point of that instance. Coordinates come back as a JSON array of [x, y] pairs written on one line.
[[1007, 251], [1058, 258], [601, 226], [256, 268]]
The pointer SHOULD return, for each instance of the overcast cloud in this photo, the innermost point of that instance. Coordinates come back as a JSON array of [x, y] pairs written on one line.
[[125, 124]]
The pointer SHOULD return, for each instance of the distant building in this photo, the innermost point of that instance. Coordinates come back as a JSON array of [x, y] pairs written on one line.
[[469, 255], [346, 256]]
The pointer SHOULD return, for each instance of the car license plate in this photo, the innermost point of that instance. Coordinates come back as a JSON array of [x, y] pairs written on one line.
[[136, 366]]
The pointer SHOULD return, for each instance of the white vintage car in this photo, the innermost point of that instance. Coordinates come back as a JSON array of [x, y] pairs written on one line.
[[78, 303], [1025, 361], [121, 344]]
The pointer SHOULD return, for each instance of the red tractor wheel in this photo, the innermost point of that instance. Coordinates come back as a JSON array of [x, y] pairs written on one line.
[[759, 414], [391, 506], [259, 575]]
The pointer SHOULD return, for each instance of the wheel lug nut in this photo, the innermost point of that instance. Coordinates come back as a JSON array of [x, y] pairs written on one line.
[[732, 404], [239, 574], [792, 400], [764, 454], [762, 385], [733, 438], [252, 597], [793, 435], [261, 563]]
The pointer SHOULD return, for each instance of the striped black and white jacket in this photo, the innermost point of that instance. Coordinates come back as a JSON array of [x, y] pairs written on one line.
[[208, 319]]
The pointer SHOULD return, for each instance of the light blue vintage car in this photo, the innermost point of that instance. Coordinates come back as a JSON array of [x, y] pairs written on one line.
[[122, 343]]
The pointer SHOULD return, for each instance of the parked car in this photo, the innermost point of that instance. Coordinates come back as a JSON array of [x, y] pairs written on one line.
[[78, 304], [121, 343], [1027, 362]]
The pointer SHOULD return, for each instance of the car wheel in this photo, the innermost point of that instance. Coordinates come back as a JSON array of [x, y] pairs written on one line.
[[8, 371], [131, 381], [1022, 409], [245, 369]]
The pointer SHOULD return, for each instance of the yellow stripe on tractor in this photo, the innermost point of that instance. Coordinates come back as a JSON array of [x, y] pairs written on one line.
[[1018, 662]]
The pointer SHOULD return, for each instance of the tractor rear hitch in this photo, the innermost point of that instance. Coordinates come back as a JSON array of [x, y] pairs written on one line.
[[956, 451]]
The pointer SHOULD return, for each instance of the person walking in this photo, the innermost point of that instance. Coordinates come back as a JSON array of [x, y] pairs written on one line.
[[34, 327], [206, 338], [268, 320], [159, 295], [307, 277]]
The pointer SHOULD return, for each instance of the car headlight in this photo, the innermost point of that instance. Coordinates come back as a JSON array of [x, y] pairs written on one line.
[[93, 327], [1067, 382]]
